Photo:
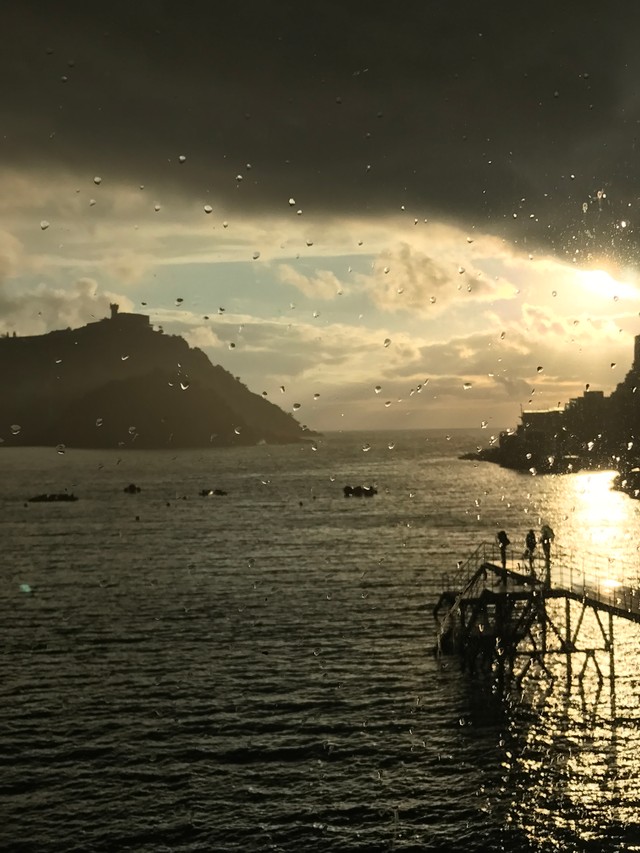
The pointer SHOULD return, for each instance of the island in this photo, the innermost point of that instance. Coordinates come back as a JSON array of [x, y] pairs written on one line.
[[591, 431], [118, 382]]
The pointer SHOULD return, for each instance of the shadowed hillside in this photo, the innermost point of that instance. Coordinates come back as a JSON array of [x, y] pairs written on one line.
[[119, 382]]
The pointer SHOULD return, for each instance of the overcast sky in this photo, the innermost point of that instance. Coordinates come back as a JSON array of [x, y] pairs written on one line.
[[419, 217]]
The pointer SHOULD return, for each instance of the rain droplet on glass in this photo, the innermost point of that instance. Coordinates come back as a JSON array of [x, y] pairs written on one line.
[[207, 208], [255, 256], [44, 224], [296, 406], [366, 448], [99, 422], [60, 449], [97, 180], [387, 342], [15, 429]]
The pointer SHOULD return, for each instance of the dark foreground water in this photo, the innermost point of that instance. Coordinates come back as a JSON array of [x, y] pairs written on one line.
[[253, 671]]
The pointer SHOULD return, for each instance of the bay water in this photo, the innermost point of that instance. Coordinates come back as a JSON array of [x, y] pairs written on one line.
[[255, 670]]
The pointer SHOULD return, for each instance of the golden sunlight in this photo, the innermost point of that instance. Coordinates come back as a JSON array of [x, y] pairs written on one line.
[[597, 504], [604, 284]]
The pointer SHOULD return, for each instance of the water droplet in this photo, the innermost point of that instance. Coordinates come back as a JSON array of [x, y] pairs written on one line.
[[296, 406], [264, 394], [366, 448], [132, 430], [386, 270], [484, 424], [97, 180], [225, 224], [238, 430], [60, 449], [124, 357], [58, 361], [613, 364], [92, 201], [391, 445], [432, 300], [232, 345], [255, 256], [184, 384], [315, 396], [387, 342], [292, 201], [238, 178], [207, 208], [585, 207], [44, 224], [99, 422], [15, 429], [539, 368], [467, 385], [156, 207], [309, 242], [378, 389], [314, 446], [316, 314], [460, 270], [24, 587], [182, 158], [387, 404]]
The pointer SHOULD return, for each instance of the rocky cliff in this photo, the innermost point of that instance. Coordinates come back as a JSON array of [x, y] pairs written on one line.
[[118, 382]]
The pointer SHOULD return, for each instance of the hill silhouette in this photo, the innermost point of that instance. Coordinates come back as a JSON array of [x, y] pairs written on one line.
[[118, 382]]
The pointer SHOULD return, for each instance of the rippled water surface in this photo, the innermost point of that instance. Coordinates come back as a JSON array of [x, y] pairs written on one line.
[[253, 671]]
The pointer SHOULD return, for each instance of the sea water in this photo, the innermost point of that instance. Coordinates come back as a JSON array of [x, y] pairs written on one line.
[[254, 670]]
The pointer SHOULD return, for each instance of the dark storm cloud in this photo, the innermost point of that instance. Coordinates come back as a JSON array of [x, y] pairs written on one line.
[[456, 109]]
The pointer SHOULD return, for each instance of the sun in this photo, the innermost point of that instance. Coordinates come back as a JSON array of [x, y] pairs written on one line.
[[604, 284]]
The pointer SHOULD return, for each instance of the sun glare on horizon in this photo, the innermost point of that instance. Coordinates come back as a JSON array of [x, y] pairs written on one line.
[[602, 283]]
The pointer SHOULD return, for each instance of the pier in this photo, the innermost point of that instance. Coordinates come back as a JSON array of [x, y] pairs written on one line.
[[507, 620]]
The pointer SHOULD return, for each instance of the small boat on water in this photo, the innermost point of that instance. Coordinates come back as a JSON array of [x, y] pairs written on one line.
[[53, 498], [206, 493], [359, 491]]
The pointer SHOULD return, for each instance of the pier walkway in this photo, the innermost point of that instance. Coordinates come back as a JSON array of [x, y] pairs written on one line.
[[494, 614]]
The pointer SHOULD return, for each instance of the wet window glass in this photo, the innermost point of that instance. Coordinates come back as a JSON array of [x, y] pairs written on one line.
[[319, 350]]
